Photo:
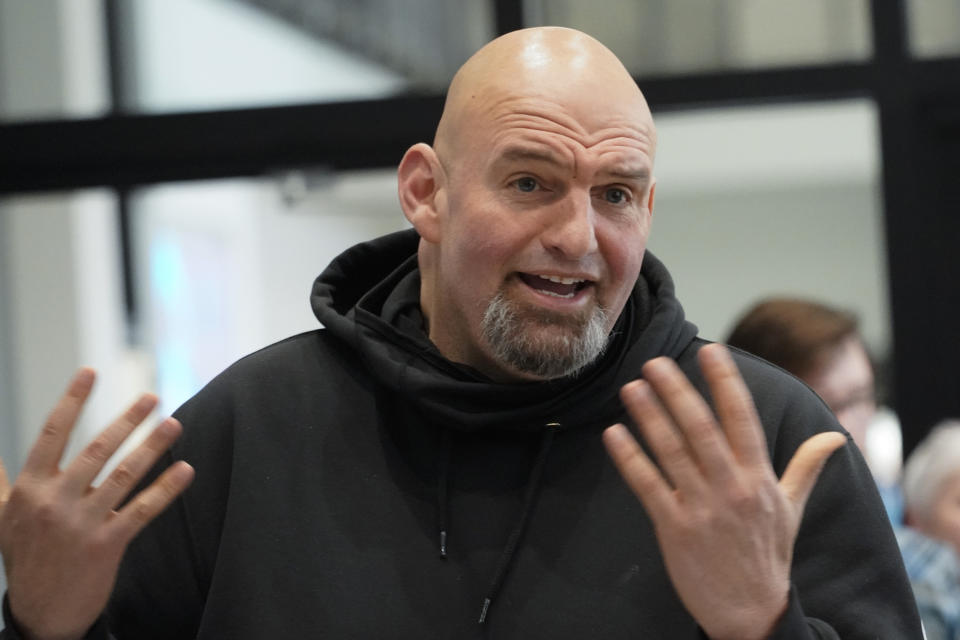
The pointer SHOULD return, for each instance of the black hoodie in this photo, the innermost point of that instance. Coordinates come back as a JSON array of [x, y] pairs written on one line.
[[353, 483]]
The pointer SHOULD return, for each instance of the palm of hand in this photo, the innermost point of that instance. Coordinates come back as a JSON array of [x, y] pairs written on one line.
[[725, 525], [61, 538]]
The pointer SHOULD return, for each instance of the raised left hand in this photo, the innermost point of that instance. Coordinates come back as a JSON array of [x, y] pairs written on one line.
[[725, 525]]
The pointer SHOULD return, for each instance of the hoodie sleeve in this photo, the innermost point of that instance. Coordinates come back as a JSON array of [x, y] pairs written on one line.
[[11, 632], [796, 626]]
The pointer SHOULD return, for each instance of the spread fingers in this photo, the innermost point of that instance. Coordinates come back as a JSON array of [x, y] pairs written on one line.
[[660, 433], [91, 460], [150, 502], [638, 471], [44, 458], [735, 406], [118, 484], [695, 422]]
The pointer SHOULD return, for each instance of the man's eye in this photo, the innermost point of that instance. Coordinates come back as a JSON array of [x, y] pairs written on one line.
[[527, 185], [615, 196]]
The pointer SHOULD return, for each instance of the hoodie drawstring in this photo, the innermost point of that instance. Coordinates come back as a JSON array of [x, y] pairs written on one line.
[[529, 499], [443, 482]]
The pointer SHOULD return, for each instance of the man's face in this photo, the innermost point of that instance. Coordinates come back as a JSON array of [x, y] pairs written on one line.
[[845, 382], [545, 222]]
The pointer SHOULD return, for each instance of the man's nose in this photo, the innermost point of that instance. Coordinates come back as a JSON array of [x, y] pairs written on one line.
[[571, 229]]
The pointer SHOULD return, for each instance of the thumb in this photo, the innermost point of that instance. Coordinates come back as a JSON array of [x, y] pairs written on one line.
[[805, 465]]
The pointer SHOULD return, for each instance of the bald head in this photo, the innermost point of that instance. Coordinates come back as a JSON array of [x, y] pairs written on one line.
[[555, 64]]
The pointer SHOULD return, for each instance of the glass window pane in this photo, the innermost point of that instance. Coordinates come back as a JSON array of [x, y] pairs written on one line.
[[934, 27], [757, 201], [189, 55], [658, 37], [225, 267]]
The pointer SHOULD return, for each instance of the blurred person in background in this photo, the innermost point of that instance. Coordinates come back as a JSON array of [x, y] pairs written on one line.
[[931, 540], [822, 346]]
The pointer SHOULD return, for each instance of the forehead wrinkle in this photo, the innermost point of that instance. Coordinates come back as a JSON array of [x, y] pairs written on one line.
[[637, 137], [631, 160], [538, 124], [634, 137], [522, 115], [546, 112], [538, 150]]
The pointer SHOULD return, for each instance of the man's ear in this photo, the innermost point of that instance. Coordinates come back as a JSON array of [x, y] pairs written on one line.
[[653, 190], [420, 179]]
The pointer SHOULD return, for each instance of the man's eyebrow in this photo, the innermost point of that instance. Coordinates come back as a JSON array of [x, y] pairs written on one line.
[[628, 173], [519, 154]]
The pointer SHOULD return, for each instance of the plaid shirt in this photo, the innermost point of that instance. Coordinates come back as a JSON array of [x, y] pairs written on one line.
[[934, 571]]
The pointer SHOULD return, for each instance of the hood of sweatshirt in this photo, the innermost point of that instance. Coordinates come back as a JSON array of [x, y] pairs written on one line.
[[370, 297]]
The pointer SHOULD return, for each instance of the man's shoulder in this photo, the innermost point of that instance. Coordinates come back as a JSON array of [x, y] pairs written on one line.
[[306, 362], [275, 392], [296, 356], [761, 376], [789, 410]]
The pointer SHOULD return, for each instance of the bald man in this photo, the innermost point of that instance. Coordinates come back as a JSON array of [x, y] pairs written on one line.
[[436, 461]]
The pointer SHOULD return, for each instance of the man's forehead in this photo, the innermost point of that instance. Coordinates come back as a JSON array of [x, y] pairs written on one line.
[[524, 128]]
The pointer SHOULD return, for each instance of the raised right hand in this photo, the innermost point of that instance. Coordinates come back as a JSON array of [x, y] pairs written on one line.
[[61, 538]]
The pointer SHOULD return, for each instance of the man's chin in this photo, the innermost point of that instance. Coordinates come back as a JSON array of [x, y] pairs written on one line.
[[541, 343]]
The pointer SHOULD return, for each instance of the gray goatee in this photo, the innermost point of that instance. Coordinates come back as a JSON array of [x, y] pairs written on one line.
[[567, 344]]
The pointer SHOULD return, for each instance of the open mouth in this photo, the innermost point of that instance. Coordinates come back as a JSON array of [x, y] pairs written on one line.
[[555, 286]]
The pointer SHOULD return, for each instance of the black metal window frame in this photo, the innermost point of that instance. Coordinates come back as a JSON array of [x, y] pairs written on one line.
[[918, 101]]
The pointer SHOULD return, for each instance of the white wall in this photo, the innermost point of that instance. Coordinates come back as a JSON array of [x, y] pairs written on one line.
[[776, 200], [226, 266], [9, 434], [52, 59], [61, 293]]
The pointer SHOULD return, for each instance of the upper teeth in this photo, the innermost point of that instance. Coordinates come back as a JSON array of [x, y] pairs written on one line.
[[562, 280]]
